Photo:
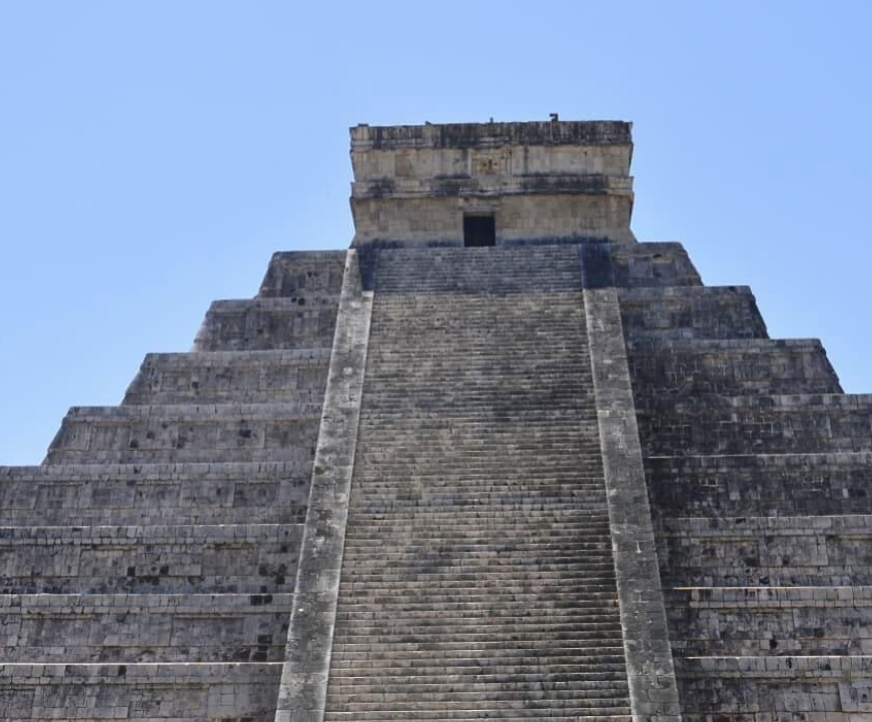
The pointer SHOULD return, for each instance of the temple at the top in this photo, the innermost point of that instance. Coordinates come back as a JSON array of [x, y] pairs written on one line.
[[492, 184], [496, 461]]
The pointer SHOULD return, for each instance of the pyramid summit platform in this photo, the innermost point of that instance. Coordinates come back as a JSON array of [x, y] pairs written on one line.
[[499, 460]]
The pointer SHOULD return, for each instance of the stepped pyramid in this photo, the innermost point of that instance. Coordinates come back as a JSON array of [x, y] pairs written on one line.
[[497, 461]]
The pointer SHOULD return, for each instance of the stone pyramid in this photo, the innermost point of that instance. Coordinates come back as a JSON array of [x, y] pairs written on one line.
[[497, 461]]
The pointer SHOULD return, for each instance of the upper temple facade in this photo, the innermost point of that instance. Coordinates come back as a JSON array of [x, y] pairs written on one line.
[[494, 183], [495, 461]]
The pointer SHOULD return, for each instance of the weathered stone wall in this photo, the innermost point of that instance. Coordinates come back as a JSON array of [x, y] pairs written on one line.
[[439, 220], [541, 181]]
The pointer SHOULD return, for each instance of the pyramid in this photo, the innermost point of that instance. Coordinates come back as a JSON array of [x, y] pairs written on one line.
[[499, 460]]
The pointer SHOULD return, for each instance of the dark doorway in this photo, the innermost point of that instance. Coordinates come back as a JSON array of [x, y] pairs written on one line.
[[479, 231]]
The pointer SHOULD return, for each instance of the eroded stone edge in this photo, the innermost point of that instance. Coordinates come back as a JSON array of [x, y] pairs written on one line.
[[303, 687], [650, 670]]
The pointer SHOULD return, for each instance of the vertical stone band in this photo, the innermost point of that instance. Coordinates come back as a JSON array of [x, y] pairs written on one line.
[[303, 688], [650, 670]]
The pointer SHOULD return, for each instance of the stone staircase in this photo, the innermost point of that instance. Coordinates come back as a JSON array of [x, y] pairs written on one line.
[[478, 579], [147, 568]]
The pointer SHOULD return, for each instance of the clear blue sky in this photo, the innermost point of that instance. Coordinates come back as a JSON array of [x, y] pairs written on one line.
[[154, 154]]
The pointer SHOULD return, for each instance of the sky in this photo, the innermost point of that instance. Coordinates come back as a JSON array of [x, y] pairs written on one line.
[[154, 154]]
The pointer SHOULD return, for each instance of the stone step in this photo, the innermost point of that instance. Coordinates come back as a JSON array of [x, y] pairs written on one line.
[[476, 424], [252, 558], [461, 514], [506, 715], [766, 484], [157, 692], [546, 703], [557, 496], [359, 596], [413, 502], [766, 551], [442, 516], [457, 448], [481, 529], [489, 336], [730, 367], [429, 505], [497, 554], [77, 628], [492, 603], [557, 689], [475, 587], [558, 630], [422, 670], [514, 714], [705, 312], [479, 402], [297, 376], [172, 434], [558, 474], [536, 652], [303, 273], [553, 695], [143, 494], [517, 471], [264, 324], [486, 368], [465, 571], [702, 425], [561, 686], [475, 271], [474, 428], [480, 540], [459, 565], [770, 621], [433, 615], [483, 552], [457, 451], [439, 318]]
